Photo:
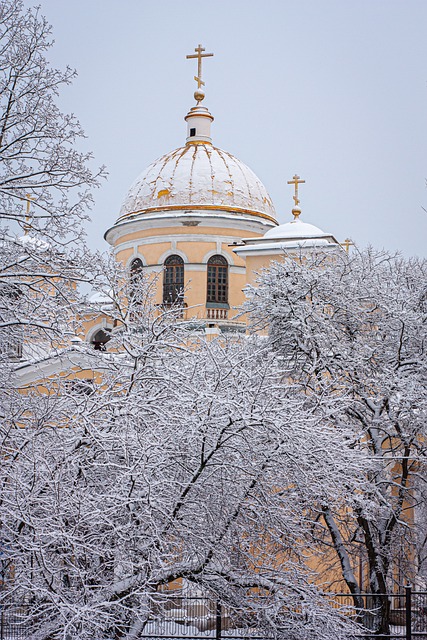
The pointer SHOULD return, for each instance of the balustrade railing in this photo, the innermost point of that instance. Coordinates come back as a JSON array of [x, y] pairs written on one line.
[[216, 314]]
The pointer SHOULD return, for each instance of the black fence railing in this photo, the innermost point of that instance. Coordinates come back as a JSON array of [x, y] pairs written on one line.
[[185, 617], [14, 623], [388, 616]]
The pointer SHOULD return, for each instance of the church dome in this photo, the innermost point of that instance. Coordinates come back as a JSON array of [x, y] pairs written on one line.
[[296, 235], [297, 229], [198, 176]]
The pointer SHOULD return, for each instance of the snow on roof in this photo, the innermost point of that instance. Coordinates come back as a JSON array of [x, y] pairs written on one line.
[[295, 229], [78, 355], [33, 243], [292, 235], [198, 174], [100, 297], [284, 244]]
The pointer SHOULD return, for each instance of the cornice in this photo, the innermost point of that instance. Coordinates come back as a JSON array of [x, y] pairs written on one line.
[[189, 217]]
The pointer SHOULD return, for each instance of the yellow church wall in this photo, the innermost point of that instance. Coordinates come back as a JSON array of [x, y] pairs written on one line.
[[152, 253], [237, 260], [196, 251], [255, 264], [46, 385], [195, 284], [196, 246], [196, 291], [124, 255]]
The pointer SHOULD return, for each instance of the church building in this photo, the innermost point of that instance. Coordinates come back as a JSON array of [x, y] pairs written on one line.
[[201, 223], [204, 223]]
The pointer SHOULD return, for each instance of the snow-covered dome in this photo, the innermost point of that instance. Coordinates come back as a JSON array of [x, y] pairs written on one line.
[[291, 236], [296, 229], [198, 176]]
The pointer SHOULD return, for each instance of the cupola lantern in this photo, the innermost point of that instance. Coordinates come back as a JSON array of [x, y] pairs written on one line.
[[199, 118]]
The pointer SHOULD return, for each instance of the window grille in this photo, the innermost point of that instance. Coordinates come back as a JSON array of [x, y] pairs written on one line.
[[217, 285], [173, 280]]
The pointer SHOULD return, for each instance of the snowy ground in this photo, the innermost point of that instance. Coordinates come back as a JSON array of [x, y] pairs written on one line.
[[170, 629]]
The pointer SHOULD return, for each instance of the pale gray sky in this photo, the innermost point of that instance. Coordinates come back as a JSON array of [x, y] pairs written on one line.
[[335, 90]]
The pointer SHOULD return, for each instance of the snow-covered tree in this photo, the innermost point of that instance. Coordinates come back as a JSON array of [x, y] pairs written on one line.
[[185, 460], [354, 327], [209, 464], [37, 142], [45, 185]]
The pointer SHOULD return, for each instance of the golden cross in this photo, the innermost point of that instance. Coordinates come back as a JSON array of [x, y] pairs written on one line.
[[199, 55], [28, 197], [347, 244], [296, 181]]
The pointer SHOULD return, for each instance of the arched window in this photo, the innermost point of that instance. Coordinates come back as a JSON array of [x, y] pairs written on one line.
[[100, 339], [173, 280], [12, 339], [136, 268], [217, 287]]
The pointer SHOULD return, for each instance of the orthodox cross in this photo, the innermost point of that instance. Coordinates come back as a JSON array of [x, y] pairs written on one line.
[[296, 181], [28, 198], [199, 55], [347, 244]]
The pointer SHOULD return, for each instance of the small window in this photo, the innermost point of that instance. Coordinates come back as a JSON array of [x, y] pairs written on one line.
[[217, 285], [192, 132], [13, 337], [100, 339], [136, 267], [81, 387], [173, 280]]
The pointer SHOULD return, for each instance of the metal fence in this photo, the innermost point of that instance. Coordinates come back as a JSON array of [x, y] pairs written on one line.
[[192, 618], [397, 615], [197, 617], [388, 616], [13, 622]]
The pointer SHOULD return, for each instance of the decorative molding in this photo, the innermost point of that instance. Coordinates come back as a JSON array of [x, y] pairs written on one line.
[[136, 254], [218, 251], [141, 242], [173, 251], [197, 266], [93, 330], [213, 219]]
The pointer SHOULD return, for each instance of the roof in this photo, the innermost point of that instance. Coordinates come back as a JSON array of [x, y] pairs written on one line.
[[295, 229], [289, 236], [198, 176]]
